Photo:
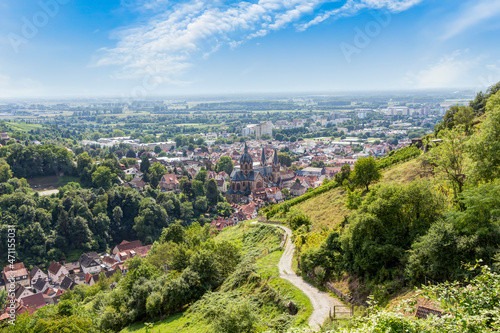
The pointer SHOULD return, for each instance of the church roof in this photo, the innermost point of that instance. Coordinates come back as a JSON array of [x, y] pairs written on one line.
[[240, 176]]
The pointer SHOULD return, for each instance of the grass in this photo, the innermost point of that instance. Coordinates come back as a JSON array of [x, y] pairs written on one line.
[[325, 210], [46, 182], [404, 173], [266, 265], [177, 323], [74, 255]]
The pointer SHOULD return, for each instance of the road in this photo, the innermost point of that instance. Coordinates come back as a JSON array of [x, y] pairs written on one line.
[[322, 302]]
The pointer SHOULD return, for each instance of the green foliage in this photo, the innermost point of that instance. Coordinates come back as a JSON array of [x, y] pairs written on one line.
[[484, 146], [156, 171], [103, 177], [398, 156], [284, 207], [43, 160], [386, 224], [298, 220], [365, 172], [225, 164], [235, 316]]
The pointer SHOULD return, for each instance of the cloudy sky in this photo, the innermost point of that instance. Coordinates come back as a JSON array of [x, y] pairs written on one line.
[[166, 47]]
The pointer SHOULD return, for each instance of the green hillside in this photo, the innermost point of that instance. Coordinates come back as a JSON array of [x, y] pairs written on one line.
[[254, 284]]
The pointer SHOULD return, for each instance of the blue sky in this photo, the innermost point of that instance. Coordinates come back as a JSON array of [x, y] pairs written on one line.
[[147, 48]]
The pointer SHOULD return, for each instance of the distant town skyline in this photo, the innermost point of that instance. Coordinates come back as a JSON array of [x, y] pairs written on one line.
[[146, 48]]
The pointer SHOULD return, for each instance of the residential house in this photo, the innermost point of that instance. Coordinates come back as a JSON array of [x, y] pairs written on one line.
[[274, 193], [249, 211], [40, 286], [21, 292], [33, 303], [221, 223], [297, 189], [169, 183], [222, 185], [89, 262], [67, 284], [137, 183], [141, 251], [57, 272], [126, 245], [37, 274], [108, 261], [17, 272]]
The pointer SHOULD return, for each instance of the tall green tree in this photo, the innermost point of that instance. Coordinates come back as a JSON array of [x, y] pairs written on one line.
[[225, 164], [103, 177], [145, 164], [156, 171], [365, 172]]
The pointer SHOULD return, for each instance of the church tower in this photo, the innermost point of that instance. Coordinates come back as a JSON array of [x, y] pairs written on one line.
[[276, 167], [263, 158], [246, 162]]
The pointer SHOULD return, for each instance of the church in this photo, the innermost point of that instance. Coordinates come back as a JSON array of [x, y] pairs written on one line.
[[249, 178]]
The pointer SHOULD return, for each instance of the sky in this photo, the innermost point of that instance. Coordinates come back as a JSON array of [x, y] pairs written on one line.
[[144, 48]]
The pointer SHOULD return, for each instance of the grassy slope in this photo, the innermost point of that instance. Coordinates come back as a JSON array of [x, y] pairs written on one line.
[[328, 210], [266, 264]]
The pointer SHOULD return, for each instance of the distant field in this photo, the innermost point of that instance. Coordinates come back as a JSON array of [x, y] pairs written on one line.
[[23, 127]]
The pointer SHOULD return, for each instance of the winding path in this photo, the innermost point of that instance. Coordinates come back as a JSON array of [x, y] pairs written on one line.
[[322, 302]]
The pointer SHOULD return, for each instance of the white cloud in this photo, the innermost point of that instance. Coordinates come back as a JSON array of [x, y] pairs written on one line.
[[351, 7], [167, 45], [457, 69], [473, 13]]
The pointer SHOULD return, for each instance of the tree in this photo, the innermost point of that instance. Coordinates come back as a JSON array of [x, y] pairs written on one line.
[[449, 157], [298, 220], [156, 171], [173, 233], [212, 192], [386, 224], [131, 153], [365, 172], [118, 133], [158, 149], [201, 176], [484, 146], [150, 222], [344, 174], [80, 233], [225, 164], [145, 164], [3, 298], [103, 177], [5, 173]]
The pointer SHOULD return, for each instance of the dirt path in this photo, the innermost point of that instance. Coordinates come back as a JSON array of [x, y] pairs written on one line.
[[322, 302], [48, 192]]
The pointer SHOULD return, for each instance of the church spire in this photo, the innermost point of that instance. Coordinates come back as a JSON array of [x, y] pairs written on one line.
[[263, 157], [276, 160]]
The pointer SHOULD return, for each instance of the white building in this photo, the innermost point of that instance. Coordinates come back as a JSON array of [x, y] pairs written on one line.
[[265, 127]]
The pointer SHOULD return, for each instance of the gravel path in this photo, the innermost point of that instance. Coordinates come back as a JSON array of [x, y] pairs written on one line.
[[322, 302]]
